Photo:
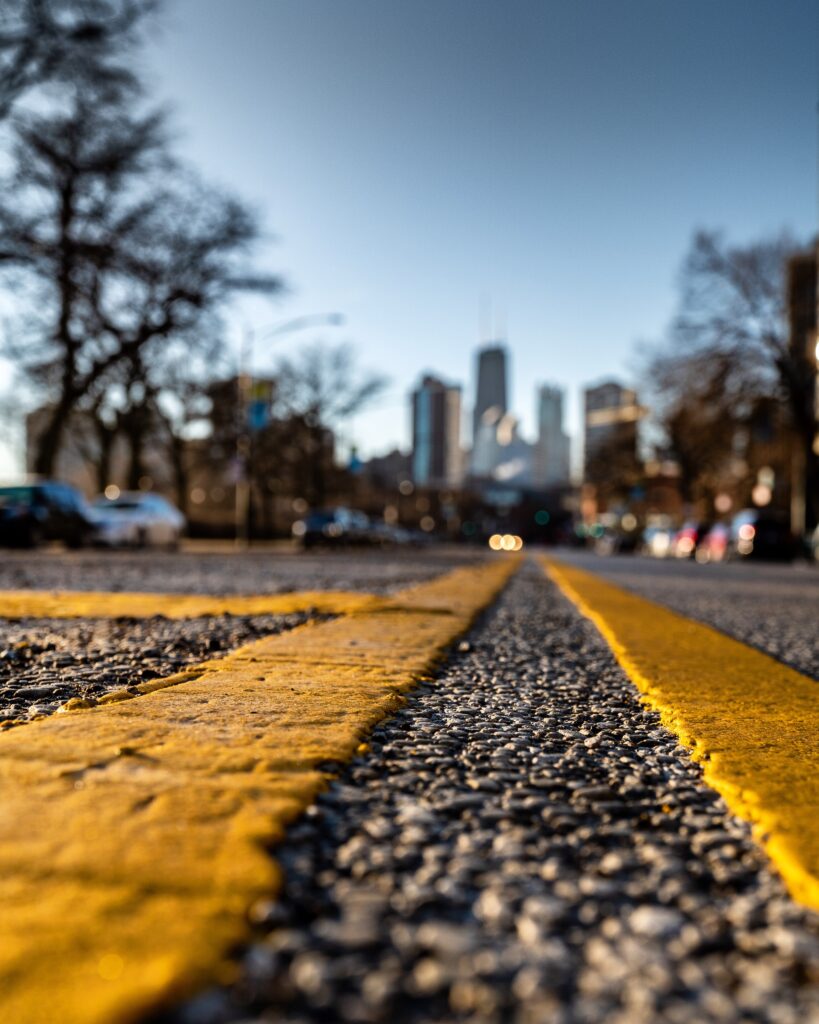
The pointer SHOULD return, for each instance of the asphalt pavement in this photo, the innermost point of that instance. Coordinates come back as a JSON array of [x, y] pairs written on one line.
[[215, 568], [45, 662], [773, 606], [523, 841]]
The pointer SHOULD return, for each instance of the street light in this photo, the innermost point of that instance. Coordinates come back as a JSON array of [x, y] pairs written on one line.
[[244, 383]]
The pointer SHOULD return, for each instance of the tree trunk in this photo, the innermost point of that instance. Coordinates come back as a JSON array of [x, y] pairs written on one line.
[[103, 467], [136, 431], [105, 443], [811, 488], [49, 442], [180, 474], [318, 481]]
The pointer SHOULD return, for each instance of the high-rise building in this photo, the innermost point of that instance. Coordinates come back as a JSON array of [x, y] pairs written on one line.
[[499, 452], [550, 464], [611, 415], [491, 390], [436, 434]]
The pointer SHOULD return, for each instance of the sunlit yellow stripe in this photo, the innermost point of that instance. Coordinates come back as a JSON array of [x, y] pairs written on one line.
[[751, 721], [75, 604], [133, 836]]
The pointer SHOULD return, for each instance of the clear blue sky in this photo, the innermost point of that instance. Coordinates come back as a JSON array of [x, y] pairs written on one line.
[[410, 156]]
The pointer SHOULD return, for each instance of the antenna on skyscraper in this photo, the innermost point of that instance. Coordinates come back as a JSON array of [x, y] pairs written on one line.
[[485, 317], [500, 327]]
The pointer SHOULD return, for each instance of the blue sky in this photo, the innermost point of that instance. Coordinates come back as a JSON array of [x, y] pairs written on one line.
[[412, 156]]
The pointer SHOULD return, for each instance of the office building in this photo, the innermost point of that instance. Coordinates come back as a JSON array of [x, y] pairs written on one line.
[[611, 415], [436, 434], [550, 466], [491, 392], [499, 452]]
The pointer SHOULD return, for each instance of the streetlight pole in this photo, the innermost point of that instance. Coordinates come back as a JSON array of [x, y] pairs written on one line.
[[244, 388]]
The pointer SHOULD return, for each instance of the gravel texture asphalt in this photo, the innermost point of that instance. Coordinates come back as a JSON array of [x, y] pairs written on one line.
[[257, 571], [45, 662], [774, 608], [524, 843]]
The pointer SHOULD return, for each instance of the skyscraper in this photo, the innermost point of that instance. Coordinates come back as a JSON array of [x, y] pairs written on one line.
[[551, 456], [436, 433], [491, 390]]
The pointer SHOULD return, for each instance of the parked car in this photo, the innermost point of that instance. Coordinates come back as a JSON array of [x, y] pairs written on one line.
[[33, 513], [656, 541], [758, 534], [112, 529], [335, 526], [615, 541], [389, 535], [139, 518], [715, 545], [685, 540]]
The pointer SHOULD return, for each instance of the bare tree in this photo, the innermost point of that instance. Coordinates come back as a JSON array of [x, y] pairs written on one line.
[[182, 404], [323, 387], [732, 301], [94, 429], [324, 384], [68, 202], [59, 41], [115, 267], [159, 311], [728, 348], [700, 403]]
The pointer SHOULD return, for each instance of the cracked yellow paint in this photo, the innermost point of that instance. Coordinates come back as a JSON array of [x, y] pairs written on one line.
[[134, 836], [752, 721], [75, 604]]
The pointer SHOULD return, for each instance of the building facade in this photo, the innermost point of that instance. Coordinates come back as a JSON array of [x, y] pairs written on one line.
[[491, 391], [436, 434], [610, 417], [499, 452], [550, 463]]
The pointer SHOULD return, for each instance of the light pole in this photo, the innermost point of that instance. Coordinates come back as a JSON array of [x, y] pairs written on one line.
[[244, 387]]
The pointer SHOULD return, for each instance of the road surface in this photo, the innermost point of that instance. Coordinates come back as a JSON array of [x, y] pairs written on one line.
[[520, 839]]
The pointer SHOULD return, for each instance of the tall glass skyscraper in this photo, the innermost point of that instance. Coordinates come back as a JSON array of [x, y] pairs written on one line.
[[436, 433], [551, 460], [491, 392]]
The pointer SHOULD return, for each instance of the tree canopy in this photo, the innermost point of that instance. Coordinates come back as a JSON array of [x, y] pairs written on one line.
[[727, 355]]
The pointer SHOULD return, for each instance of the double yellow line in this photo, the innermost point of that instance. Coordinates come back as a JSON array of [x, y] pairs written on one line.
[[134, 836], [73, 604]]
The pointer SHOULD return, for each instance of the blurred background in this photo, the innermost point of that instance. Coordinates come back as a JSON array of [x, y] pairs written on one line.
[[391, 274]]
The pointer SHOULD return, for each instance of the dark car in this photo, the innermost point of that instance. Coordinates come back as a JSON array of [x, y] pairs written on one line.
[[334, 526], [687, 539], [756, 534], [715, 545], [33, 513]]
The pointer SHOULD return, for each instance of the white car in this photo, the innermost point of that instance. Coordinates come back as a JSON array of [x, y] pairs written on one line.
[[138, 519]]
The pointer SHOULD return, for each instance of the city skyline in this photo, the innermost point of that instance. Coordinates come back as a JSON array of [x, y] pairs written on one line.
[[494, 447], [443, 174]]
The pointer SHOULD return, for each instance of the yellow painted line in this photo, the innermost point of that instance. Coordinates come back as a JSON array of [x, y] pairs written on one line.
[[752, 721], [133, 836], [73, 604]]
